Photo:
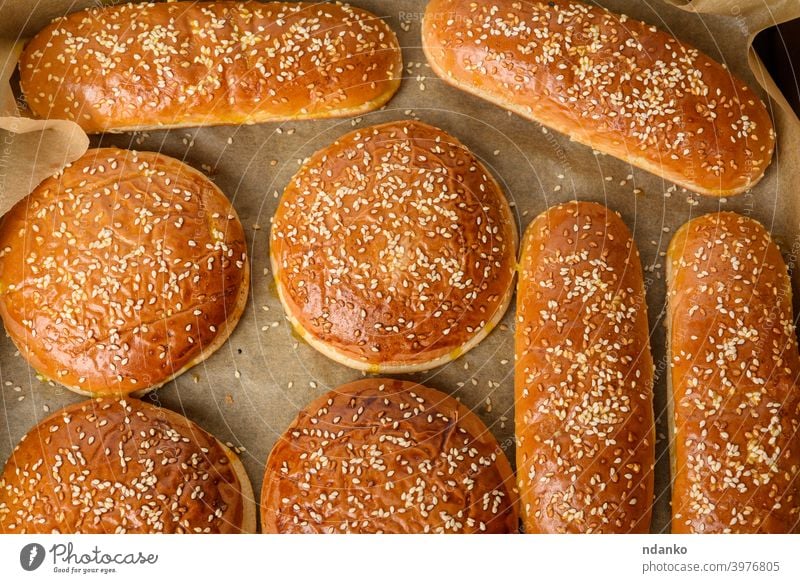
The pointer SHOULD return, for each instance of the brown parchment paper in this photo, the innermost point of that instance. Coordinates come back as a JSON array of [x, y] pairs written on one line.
[[251, 389]]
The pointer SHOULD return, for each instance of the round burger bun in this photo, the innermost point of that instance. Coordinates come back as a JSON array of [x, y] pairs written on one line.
[[394, 249], [107, 466], [121, 272], [388, 456]]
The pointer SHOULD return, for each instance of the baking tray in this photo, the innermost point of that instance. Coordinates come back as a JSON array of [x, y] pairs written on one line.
[[250, 390]]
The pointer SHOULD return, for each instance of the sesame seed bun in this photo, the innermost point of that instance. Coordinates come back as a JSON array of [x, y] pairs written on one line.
[[381, 455], [613, 83], [123, 466], [583, 378], [732, 386], [121, 272], [166, 65], [394, 249]]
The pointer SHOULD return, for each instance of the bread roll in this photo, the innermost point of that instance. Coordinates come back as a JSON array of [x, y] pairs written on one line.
[[121, 272], [387, 456], [735, 422], [394, 249], [583, 377], [111, 466], [610, 82], [147, 65]]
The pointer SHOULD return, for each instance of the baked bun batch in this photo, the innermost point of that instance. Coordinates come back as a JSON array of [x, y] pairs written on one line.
[[394, 250]]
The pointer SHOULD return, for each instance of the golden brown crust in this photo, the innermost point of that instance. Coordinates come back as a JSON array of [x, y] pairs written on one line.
[[146, 65], [122, 466], [584, 376], [734, 364], [613, 83], [381, 455], [122, 271], [394, 249]]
